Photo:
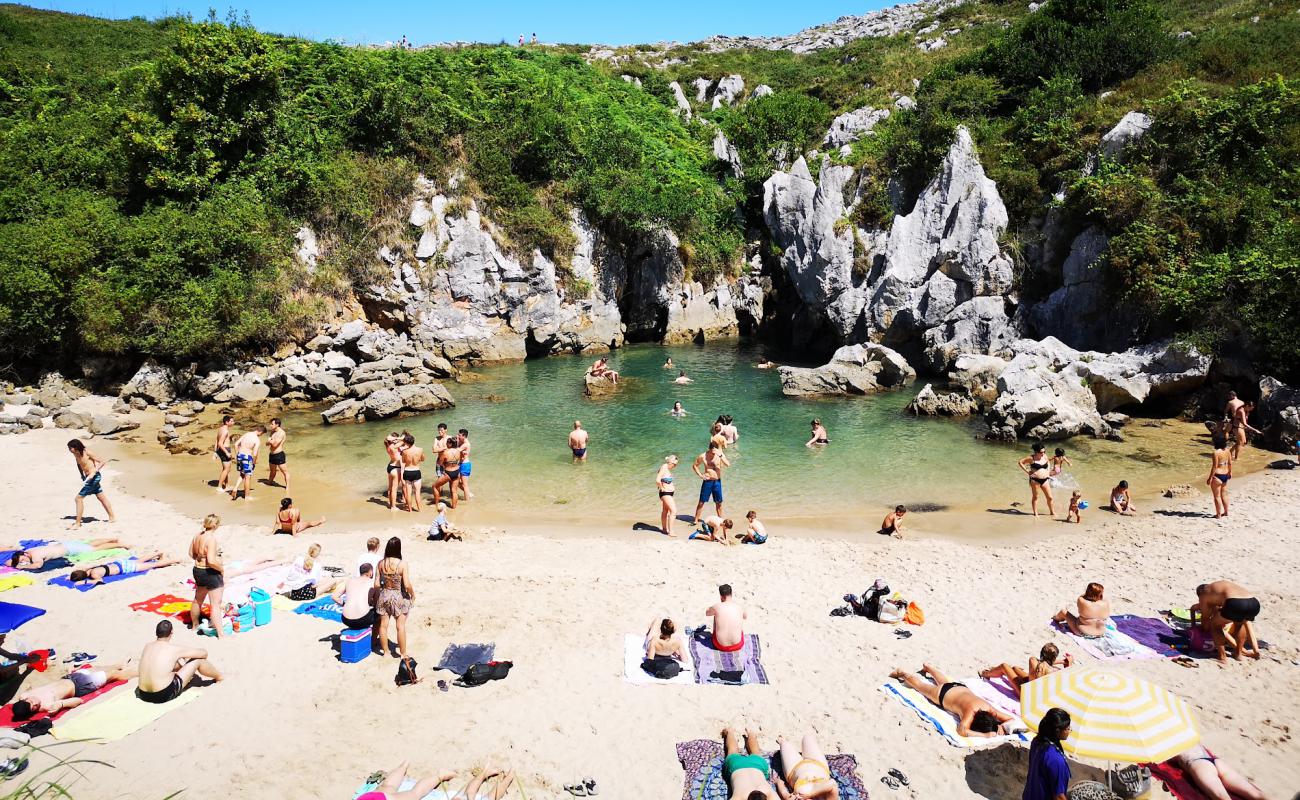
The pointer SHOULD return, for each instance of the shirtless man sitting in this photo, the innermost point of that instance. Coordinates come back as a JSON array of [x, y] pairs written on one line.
[[33, 558], [1227, 612], [356, 598], [68, 692], [974, 716], [728, 621], [166, 669], [1039, 667], [1094, 611]]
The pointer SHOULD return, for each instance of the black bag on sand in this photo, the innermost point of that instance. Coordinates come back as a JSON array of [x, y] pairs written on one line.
[[734, 677], [662, 667], [479, 674], [406, 672]]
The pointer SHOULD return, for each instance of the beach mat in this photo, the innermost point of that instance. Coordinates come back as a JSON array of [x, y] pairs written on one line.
[[458, 658], [944, 722], [1176, 781], [1114, 646], [7, 714], [321, 608], [66, 582], [116, 717], [98, 555], [709, 660], [15, 615], [702, 761], [1154, 633], [167, 605], [238, 588], [15, 579], [634, 653]]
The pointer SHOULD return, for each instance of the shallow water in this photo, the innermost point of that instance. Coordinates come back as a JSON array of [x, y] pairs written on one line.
[[519, 417]]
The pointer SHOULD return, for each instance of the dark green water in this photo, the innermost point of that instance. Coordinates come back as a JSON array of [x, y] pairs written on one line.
[[519, 417]]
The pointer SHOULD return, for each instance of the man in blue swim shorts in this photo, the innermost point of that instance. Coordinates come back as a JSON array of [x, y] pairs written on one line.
[[246, 450], [709, 465], [89, 465]]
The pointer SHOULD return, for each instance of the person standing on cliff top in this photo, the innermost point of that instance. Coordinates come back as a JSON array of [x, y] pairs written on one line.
[[277, 457], [246, 450]]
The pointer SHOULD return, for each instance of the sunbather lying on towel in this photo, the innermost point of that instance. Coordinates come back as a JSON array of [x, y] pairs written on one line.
[[1039, 667], [166, 669], [35, 557], [67, 693], [746, 770], [974, 716], [1215, 777], [122, 566], [807, 777], [391, 787]]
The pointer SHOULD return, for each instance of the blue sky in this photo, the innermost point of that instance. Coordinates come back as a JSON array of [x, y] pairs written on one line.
[[494, 20]]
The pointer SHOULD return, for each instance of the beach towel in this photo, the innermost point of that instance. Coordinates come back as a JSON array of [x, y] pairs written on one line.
[[14, 580], [167, 605], [49, 566], [66, 582], [116, 717], [458, 658], [1114, 646], [709, 661], [634, 654], [1153, 633], [944, 722], [7, 714], [98, 555], [321, 608], [237, 589], [281, 603], [436, 794], [1176, 781], [702, 761], [15, 615]]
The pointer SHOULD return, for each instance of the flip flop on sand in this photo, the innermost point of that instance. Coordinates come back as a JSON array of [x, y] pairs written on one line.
[[889, 781], [590, 784], [442, 686], [899, 776], [12, 767], [1185, 661], [576, 789], [902, 634]]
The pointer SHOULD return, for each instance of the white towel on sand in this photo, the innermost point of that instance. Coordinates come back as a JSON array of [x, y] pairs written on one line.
[[634, 654]]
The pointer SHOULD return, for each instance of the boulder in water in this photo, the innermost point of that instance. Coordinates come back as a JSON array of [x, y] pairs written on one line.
[[854, 369]]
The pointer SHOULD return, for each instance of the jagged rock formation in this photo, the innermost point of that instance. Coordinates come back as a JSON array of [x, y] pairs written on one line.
[[1279, 414], [851, 126], [854, 369], [929, 403]]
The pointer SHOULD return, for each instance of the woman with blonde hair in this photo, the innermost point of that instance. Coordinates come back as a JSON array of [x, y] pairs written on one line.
[[209, 574], [667, 495], [304, 579]]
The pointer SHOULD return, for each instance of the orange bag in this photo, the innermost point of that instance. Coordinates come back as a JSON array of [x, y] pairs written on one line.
[[914, 615]]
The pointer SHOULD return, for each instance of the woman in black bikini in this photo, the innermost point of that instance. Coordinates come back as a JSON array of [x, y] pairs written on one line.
[[1220, 474], [209, 573], [667, 499], [289, 519], [1036, 467]]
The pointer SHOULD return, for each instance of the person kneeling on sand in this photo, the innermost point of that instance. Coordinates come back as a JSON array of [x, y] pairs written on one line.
[[356, 598], [442, 529], [1039, 667], [893, 522], [713, 529], [1121, 502], [974, 716], [1227, 612], [166, 669], [1094, 612], [68, 692], [755, 531], [728, 621]]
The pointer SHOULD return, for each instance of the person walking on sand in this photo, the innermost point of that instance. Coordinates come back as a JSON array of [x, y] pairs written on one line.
[[246, 451], [578, 442], [289, 519], [1121, 502], [89, 465], [34, 558], [412, 458], [276, 456], [819, 435], [1227, 612], [667, 495], [1220, 474], [893, 522], [728, 621], [166, 669], [1037, 467], [393, 447], [222, 450], [1094, 613], [209, 574], [396, 595], [709, 466], [1241, 427]]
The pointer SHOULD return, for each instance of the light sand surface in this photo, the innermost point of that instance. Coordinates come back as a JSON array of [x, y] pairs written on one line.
[[291, 721]]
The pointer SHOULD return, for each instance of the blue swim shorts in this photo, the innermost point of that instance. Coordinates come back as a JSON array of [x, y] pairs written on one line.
[[245, 463], [711, 491], [91, 486]]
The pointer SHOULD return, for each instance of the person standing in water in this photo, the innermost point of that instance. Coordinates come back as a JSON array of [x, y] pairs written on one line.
[[277, 457], [465, 465], [729, 429], [708, 466], [578, 442], [1037, 466], [678, 411], [667, 495], [1240, 427], [1220, 474], [222, 450], [246, 450], [393, 447], [89, 465], [819, 435], [681, 378], [449, 459], [668, 362], [412, 458]]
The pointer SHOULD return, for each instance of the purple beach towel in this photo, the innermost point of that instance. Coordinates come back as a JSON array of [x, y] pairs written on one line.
[[702, 761], [1154, 633], [709, 660]]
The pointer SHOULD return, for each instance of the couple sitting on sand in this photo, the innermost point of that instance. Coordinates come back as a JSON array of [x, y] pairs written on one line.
[[728, 631], [805, 772]]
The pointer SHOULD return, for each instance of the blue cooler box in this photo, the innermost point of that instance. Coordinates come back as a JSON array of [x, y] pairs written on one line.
[[354, 645]]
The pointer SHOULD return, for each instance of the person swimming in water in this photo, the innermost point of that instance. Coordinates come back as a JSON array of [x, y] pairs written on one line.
[[668, 363], [819, 435], [765, 363], [678, 411], [681, 378]]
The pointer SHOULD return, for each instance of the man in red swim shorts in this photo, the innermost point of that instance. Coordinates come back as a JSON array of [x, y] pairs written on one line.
[[728, 621]]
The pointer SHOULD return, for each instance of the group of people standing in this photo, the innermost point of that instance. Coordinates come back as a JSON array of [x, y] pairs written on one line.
[[452, 467], [244, 453]]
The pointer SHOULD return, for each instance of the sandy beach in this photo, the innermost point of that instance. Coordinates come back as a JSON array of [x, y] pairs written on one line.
[[291, 721]]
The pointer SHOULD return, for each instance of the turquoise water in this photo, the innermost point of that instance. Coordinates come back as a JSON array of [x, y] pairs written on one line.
[[519, 417]]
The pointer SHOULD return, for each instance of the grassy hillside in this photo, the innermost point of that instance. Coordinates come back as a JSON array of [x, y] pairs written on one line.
[[152, 173]]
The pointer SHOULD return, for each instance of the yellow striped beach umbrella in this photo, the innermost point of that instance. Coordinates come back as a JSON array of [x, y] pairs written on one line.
[[1113, 716]]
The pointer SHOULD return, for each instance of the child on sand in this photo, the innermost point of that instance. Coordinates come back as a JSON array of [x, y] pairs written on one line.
[[755, 532], [1074, 507], [1120, 500], [442, 529]]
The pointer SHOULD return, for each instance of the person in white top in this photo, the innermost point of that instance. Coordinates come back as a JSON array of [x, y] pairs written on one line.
[[371, 556]]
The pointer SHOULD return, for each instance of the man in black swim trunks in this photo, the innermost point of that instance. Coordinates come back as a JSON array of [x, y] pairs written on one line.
[[277, 457], [1227, 612], [166, 669], [222, 450]]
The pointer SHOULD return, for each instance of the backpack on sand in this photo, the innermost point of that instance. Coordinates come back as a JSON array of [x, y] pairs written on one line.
[[479, 674], [406, 672], [664, 668]]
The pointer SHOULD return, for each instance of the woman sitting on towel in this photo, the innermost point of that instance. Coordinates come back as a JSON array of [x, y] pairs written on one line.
[[122, 566], [304, 579], [1094, 613], [667, 643], [1039, 667]]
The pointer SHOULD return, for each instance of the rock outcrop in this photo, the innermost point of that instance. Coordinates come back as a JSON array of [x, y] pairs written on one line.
[[1143, 374], [851, 126], [153, 382], [854, 369], [1278, 414], [929, 403], [1036, 401]]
